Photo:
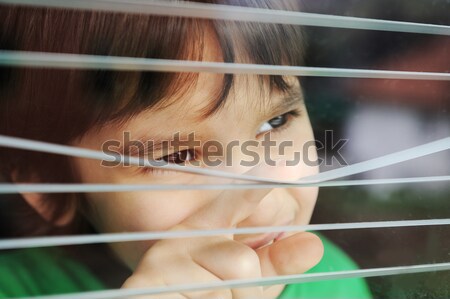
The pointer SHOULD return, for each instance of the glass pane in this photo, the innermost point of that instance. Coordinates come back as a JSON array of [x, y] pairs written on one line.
[[353, 120]]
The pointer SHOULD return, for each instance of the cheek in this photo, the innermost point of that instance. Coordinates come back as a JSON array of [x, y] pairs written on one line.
[[298, 148], [138, 212], [143, 211], [301, 161], [306, 199]]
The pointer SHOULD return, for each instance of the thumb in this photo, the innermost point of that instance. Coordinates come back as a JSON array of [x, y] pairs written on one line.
[[292, 255]]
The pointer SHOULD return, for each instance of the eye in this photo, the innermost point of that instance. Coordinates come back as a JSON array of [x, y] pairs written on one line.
[[179, 157], [274, 123]]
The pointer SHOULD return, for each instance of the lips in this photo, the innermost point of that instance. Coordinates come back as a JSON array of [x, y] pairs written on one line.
[[263, 240]]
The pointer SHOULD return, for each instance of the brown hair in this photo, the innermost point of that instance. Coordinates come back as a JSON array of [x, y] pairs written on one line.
[[60, 105]]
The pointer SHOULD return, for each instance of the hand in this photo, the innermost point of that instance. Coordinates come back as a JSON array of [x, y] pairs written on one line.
[[209, 259]]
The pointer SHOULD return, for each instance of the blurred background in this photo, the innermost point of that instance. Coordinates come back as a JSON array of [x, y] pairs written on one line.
[[378, 117]]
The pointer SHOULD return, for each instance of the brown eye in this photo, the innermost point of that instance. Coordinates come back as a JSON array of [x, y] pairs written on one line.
[[179, 157]]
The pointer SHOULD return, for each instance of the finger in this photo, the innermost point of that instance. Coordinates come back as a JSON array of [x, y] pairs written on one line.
[[229, 260], [178, 271], [198, 274], [231, 206], [292, 255], [141, 281]]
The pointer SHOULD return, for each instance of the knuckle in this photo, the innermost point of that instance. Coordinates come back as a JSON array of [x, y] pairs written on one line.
[[246, 262]]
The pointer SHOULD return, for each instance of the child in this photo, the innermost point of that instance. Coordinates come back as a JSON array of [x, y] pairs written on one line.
[[90, 109]]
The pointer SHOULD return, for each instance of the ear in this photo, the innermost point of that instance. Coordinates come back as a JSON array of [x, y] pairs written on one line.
[[38, 201]]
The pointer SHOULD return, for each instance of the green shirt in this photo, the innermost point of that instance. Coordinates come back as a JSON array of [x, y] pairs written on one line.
[[45, 271]]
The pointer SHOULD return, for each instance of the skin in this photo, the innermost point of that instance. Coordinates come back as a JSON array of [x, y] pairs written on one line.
[[180, 261]]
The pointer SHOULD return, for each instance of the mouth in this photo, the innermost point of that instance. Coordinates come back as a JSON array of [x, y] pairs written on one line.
[[263, 240]]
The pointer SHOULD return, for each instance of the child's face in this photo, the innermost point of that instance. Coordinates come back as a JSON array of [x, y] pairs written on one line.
[[244, 117]]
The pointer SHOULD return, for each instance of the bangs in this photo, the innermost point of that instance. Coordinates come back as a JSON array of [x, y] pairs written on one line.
[[60, 105], [121, 95]]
